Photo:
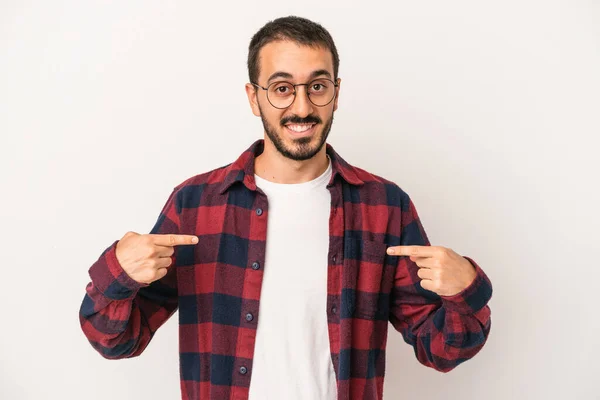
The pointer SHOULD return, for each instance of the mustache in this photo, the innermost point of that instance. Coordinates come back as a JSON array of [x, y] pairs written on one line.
[[294, 119]]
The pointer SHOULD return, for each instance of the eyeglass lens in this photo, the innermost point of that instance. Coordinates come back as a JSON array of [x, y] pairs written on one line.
[[282, 94]]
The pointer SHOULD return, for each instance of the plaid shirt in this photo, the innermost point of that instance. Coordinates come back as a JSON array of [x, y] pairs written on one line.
[[216, 285]]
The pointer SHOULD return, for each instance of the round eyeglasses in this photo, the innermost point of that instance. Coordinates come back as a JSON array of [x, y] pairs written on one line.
[[282, 94]]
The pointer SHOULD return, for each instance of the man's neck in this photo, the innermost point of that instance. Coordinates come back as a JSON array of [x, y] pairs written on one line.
[[275, 167]]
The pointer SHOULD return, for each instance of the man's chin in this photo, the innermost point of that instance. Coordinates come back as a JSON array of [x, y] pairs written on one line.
[[302, 151], [297, 146]]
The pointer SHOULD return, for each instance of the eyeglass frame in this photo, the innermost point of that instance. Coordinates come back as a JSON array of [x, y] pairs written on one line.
[[296, 91]]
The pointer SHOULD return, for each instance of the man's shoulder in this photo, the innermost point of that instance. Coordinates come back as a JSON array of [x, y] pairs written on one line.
[[213, 179], [370, 177], [380, 190]]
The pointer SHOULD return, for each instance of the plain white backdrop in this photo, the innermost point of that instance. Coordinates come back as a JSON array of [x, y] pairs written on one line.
[[485, 113]]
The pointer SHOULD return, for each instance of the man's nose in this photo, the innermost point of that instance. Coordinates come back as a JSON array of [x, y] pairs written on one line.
[[302, 106]]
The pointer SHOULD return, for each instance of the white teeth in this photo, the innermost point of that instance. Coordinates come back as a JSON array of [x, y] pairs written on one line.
[[300, 128]]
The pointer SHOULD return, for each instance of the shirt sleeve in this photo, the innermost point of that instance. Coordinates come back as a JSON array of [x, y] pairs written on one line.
[[444, 331], [118, 315]]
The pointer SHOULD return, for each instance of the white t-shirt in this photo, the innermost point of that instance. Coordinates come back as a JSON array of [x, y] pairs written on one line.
[[292, 358]]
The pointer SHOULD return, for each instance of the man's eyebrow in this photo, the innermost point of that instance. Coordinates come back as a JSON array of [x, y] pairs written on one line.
[[287, 75]]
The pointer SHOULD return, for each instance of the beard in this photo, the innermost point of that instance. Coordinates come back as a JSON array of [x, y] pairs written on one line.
[[301, 148]]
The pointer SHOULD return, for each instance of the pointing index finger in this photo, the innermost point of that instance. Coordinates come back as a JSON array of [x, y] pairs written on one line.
[[173, 239], [417, 251]]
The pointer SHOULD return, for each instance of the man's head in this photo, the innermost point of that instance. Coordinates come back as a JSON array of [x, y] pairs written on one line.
[[298, 51]]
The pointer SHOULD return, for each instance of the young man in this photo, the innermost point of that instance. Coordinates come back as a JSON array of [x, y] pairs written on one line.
[[287, 264]]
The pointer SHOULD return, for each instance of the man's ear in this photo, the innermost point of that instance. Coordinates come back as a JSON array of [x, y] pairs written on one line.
[[337, 94], [251, 92]]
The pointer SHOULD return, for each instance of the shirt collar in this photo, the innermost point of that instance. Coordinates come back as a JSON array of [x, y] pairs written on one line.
[[242, 169]]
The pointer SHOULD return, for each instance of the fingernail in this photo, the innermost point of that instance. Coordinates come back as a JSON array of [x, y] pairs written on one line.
[[195, 239]]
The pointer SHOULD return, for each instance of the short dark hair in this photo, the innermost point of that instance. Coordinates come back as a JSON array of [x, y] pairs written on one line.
[[300, 30]]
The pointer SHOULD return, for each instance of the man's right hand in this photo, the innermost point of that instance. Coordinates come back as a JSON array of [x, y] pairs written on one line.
[[145, 258]]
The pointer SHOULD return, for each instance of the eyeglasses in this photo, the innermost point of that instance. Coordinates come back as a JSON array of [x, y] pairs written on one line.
[[282, 94]]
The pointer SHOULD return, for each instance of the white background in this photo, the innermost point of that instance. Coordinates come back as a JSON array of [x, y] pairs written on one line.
[[485, 113]]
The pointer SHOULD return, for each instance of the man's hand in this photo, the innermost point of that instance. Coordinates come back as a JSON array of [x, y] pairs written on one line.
[[441, 270], [145, 258]]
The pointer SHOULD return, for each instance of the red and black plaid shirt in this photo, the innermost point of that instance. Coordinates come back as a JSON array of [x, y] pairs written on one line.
[[216, 285]]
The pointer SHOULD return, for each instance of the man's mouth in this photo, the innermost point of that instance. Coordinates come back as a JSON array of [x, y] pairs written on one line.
[[300, 128]]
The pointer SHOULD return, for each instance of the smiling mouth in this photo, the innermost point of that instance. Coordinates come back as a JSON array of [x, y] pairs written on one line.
[[300, 129]]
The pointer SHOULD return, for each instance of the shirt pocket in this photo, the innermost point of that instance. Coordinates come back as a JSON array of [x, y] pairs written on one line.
[[364, 262]]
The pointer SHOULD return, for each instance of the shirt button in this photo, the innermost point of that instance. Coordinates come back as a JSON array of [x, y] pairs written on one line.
[[333, 309], [334, 259], [249, 317], [255, 265], [243, 370], [259, 211]]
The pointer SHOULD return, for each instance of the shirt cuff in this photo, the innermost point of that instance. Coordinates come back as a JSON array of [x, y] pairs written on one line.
[[110, 278], [472, 298]]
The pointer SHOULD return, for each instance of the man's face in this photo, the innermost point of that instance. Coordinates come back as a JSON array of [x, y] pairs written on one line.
[[285, 127]]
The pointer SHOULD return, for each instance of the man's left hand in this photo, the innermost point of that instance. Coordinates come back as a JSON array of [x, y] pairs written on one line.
[[441, 269]]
